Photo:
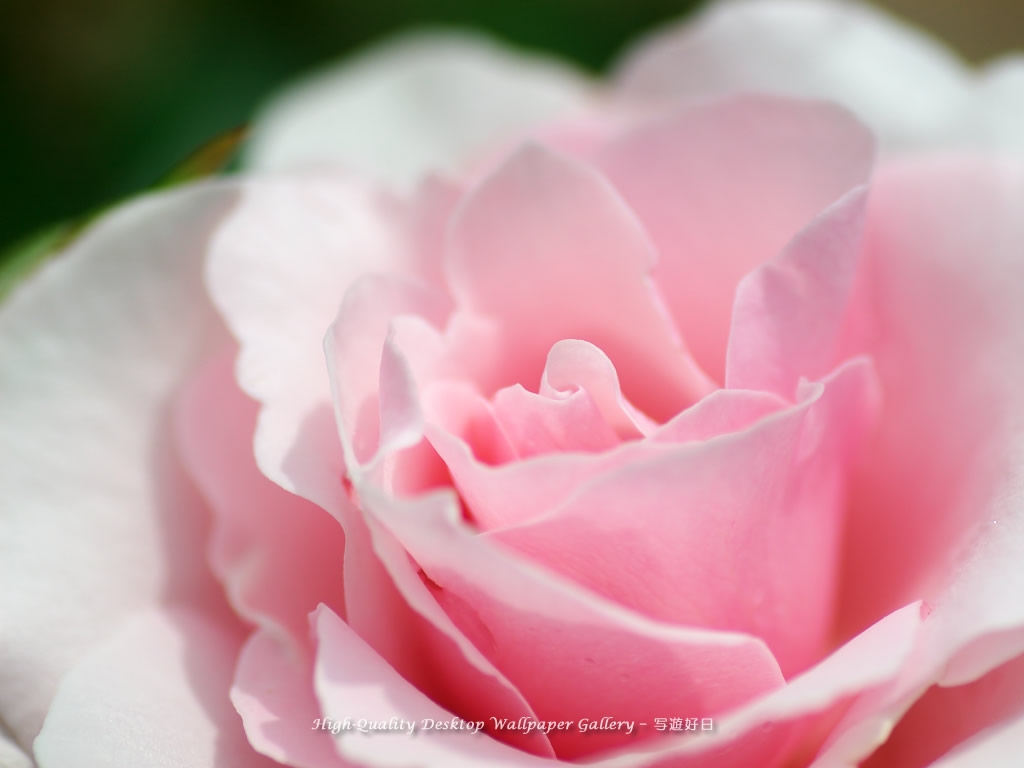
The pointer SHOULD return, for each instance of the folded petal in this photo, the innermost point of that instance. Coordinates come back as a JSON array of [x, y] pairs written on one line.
[[906, 86], [574, 364], [277, 272], [367, 379], [500, 494], [538, 425], [722, 188], [778, 728], [277, 555], [273, 694], [544, 246], [388, 603], [354, 683], [155, 689], [416, 104], [99, 519], [748, 525], [790, 313], [508, 607]]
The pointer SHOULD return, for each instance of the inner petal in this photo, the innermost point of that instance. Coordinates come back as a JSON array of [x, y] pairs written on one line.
[[545, 247], [753, 518], [537, 425], [721, 188]]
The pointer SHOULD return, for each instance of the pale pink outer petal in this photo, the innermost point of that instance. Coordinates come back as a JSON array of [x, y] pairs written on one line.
[[277, 272], [722, 188], [907, 87], [98, 519], [419, 103], [945, 263], [545, 247], [946, 275], [277, 555], [153, 693], [364, 371], [273, 693]]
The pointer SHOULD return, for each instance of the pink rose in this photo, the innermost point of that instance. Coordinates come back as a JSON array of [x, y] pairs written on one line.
[[646, 425]]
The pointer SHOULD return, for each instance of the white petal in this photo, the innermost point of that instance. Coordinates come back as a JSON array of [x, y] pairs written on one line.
[[96, 519], [153, 694], [905, 85], [418, 103], [11, 755]]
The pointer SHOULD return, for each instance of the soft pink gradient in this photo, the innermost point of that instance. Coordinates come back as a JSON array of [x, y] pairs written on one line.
[[550, 507], [540, 398]]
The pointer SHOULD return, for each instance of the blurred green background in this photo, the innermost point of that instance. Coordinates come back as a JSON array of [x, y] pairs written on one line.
[[102, 98]]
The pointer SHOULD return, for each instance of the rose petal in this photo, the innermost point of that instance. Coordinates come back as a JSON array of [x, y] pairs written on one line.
[[388, 603], [790, 312], [946, 276], [538, 425], [508, 607], [273, 693], [278, 555], [99, 520], [155, 689], [512, 493], [997, 747], [545, 246], [947, 716], [402, 620], [722, 188], [353, 682], [419, 103], [748, 526], [906, 86], [365, 374], [573, 363], [776, 728], [277, 272]]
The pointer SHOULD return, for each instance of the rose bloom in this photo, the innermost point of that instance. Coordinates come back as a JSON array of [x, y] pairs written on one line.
[[685, 410]]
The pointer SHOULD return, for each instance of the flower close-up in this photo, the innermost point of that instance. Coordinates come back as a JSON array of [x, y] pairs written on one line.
[[497, 415]]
